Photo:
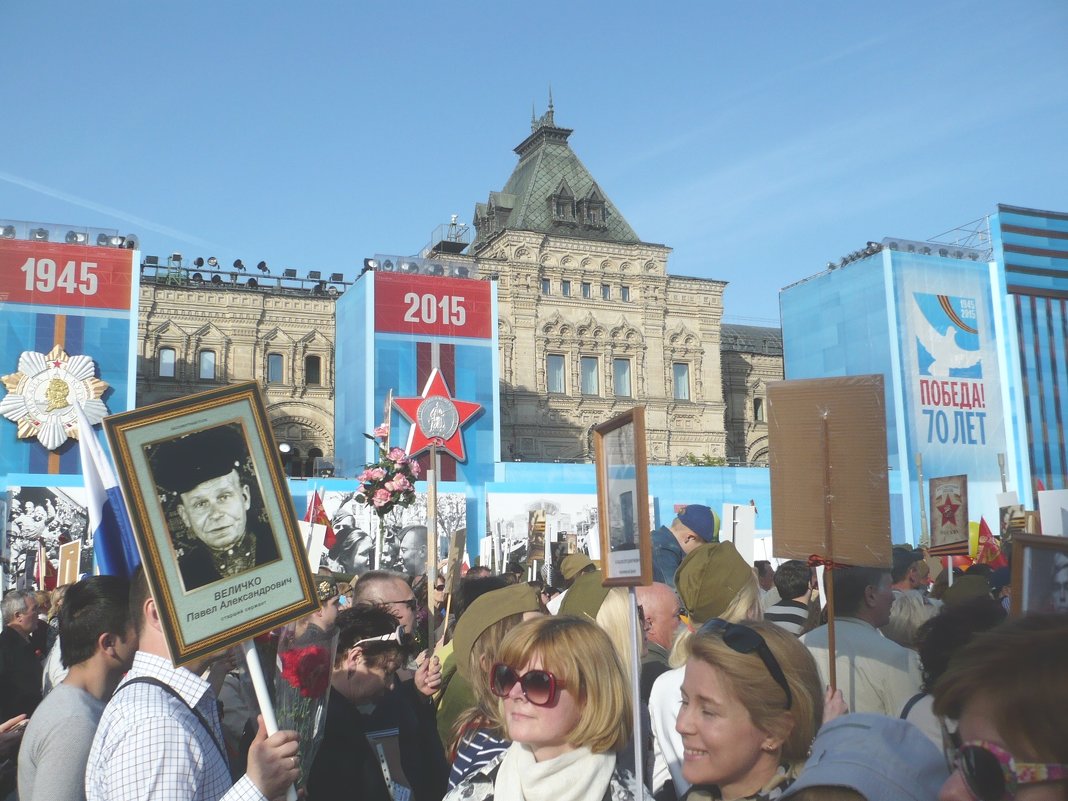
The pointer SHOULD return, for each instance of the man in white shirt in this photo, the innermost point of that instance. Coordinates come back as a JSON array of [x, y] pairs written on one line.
[[874, 674]]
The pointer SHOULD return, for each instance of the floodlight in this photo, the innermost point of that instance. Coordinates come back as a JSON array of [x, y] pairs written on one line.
[[925, 251], [370, 264], [39, 234], [289, 272], [8, 232], [337, 276], [894, 246], [252, 283], [197, 277], [152, 261], [387, 265], [130, 242], [198, 261], [459, 271], [238, 264], [262, 267], [213, 262], [943, 252], [314, 275], [76, 238], [408, 267], [103, 240], [435, 269]]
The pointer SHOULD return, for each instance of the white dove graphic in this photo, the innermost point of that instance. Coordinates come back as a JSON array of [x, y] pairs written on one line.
[[943, 348]]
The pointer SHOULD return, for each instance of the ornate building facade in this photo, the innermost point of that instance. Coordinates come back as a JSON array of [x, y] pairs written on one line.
[[590, 323], [751, 357]]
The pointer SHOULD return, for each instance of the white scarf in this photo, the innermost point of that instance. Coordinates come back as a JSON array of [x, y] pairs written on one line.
[[578, 775]]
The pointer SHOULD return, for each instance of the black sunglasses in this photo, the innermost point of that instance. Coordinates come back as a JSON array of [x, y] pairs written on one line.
[[991, 772], [744, 640], [539, 686], [411, 603]]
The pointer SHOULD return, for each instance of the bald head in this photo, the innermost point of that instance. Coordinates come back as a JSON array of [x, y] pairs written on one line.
[[390, 590], [661, 607]]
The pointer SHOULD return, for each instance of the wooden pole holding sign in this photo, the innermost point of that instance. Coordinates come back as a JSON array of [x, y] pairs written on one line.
[[828, 529]]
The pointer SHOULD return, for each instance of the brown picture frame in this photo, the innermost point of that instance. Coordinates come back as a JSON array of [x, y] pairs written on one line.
[[623, 500], [225, 608], [1038, 563]]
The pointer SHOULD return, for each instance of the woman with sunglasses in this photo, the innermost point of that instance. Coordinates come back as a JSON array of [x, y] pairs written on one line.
[[1008, 691], [565, 704], [370, 649], [751, 705]]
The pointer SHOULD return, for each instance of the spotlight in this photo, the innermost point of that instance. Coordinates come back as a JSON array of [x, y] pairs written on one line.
[[213, 262], [943, 252], [289, 273], [370, 264], [337, 276], [831, 265], [104, 241], [252, 283], [409, 267], [198, 262], [911, 248], [130, 242], [459, 271], [925, 251], [152, 261], [39, 234], [435, 269], [319, 288], [314, 275], [176, 258], [197, 278], [958, 254], [8, 232], [239, 265], [76, 238], [894, 246], [216, 279], [262, 267], [387, 265]]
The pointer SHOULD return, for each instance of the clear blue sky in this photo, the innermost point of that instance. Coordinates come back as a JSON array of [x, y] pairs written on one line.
[[758, 140]]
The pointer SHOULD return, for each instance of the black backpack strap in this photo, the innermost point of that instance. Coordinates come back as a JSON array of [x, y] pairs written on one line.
[[911, 703], [169, 689]]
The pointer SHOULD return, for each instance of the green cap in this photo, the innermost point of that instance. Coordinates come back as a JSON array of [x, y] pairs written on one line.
[[585, 596], [709, 578], [486, 610]]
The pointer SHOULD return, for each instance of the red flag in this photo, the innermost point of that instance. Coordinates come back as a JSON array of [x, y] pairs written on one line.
[[1039, 485], [989, 551], [317, 514], [45, 575]]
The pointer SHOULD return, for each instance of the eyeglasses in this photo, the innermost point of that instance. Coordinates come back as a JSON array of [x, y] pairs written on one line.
[[439, 587], [539, 686], [991, 772], [400, 636], [411, 603], [744, 640]]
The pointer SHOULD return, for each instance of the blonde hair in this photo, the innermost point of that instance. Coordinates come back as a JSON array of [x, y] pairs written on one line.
[[614, 618], [581, 655], [743, 607], [485, 714], [909, 611], [750, 682]]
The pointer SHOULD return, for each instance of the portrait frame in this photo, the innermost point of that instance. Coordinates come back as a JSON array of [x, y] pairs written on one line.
[[623, 500], [1036, 561], [949, 515], [204, 618]]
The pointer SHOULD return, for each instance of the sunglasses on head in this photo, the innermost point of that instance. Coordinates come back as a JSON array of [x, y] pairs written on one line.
[[744, 640], [411, 603], [399, 636], [538, 686], [991, 772]]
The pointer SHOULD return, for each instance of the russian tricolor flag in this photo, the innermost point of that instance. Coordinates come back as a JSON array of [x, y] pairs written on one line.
[[114, 546]]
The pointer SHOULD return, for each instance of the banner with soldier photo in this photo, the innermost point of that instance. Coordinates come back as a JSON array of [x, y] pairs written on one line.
[[356, 526], [40, 520]]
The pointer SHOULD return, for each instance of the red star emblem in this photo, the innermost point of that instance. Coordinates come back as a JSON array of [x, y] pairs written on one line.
[[949, 512], [437, 418]]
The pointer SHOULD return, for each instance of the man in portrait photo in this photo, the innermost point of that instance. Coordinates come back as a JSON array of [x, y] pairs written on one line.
[[203, 474]]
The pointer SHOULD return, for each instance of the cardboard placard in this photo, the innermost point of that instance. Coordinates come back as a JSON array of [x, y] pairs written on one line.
[[829, 487], [70, 560]]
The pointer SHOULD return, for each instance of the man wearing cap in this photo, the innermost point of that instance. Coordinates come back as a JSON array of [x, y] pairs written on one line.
[[213, 500], [695, 525]]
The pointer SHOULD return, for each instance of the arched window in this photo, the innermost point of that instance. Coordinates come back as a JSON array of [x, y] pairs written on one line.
[[274, 368], [206, 365], [313, 374], [165, 367]]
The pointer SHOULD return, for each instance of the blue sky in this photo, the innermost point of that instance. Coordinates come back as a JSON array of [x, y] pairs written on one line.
[[759, 140]]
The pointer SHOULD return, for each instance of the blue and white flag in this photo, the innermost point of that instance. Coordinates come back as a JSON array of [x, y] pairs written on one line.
[[114, 547]]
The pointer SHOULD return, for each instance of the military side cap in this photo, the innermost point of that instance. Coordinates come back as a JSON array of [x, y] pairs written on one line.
[[965, 588], [326, 588], [709, 578], [585, 596], [483, 612], [573, 564], [183, 463]]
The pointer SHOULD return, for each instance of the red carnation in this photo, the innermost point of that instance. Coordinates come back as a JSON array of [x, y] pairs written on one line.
[[307, 669]]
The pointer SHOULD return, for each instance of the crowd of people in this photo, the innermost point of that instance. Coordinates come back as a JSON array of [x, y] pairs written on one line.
[[527, 693]]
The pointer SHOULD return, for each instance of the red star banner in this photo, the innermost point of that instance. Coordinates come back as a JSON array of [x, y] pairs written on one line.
[[949, 515], [437, 418]]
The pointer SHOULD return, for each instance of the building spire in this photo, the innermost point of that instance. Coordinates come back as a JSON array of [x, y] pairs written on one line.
[[533, 118], [548, 118]]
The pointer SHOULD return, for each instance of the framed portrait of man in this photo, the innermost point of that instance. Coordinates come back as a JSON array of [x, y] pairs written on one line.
[[623, 499], [213, 518], [1039, 574]]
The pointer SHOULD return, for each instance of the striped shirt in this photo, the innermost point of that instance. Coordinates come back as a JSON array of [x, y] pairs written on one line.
[[476, 751], [790, 615]]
